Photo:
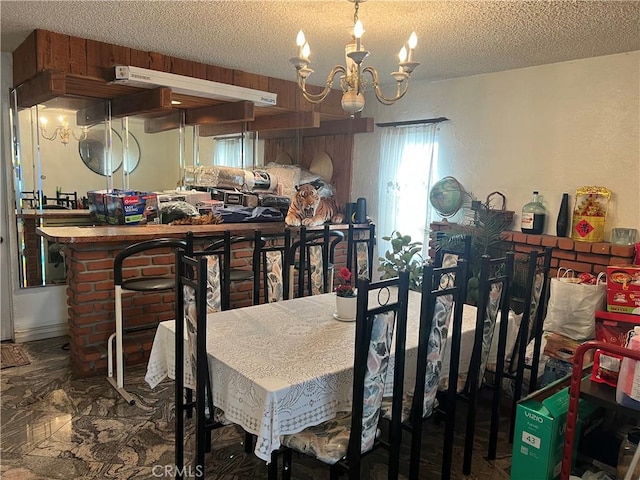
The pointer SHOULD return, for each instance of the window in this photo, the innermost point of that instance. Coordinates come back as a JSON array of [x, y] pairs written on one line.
[[234, 151], [407, 170]]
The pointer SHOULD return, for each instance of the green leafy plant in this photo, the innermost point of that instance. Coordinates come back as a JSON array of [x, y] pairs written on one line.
[[485, 228], [403, 256]]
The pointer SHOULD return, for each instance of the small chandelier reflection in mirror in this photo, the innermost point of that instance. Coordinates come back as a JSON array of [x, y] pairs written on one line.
[[352, 81], [62, 130]]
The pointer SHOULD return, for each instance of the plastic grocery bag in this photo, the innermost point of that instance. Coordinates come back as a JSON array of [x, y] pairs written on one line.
[[572, 306]]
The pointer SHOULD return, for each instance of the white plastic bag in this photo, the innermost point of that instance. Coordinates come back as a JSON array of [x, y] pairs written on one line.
[[572, 306]]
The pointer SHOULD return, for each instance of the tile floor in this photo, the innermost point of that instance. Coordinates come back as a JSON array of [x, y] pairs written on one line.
[[55, 426]]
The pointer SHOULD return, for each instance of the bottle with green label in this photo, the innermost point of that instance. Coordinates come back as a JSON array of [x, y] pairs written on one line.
[[533, 216]]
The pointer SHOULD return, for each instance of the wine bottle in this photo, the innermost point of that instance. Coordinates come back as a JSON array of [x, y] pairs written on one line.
[[533, 216], [563, 216]]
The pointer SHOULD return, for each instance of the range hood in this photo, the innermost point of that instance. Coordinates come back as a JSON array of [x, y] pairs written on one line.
[[145, 78]]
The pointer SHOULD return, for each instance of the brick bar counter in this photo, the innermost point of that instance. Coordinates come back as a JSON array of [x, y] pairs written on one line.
[[89, 255]]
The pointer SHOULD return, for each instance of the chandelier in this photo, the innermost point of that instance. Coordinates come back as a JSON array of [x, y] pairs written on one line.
[[62, 130], [352, 81]]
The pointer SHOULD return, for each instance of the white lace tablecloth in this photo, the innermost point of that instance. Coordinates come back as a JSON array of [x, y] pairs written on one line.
[[279, 368]]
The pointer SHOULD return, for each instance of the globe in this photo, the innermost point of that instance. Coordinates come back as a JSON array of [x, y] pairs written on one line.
[[446, 196]]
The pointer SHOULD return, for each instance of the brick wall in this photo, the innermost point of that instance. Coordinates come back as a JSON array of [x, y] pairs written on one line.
[[578, 256], [91, 300]]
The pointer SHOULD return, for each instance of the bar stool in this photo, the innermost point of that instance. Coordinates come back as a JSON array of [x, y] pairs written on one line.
[[134, 284]]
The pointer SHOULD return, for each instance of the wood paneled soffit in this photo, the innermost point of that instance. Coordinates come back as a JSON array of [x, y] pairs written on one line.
[[87, 66]]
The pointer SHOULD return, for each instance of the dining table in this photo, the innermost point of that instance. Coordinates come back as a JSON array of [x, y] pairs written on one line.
[[278, 368]]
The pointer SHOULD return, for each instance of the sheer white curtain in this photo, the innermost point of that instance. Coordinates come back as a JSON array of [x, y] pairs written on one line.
[[228, 152], [408, 157]]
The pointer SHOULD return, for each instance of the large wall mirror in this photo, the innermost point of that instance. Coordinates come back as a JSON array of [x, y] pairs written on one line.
[[56, 162]]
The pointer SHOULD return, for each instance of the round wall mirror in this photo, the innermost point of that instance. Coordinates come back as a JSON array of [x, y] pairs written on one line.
[[92, 150]]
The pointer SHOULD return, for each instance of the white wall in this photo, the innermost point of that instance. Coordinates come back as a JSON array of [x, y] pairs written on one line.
[[551, 128]]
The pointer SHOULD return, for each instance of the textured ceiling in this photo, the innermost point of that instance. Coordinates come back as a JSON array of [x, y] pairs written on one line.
[[455, 38]]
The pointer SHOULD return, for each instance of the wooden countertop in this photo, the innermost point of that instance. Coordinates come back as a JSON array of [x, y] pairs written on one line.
[[137, 233], [53, 213]]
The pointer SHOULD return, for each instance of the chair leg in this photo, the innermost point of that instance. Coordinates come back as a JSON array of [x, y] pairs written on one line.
[[272, 467], [447, 449], [248, 442], [118, 382], [286, 465], [470, 431], [334, 473], [414, 459]]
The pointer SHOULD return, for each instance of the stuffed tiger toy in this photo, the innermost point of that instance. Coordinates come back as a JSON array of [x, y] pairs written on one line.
[[308, 208]]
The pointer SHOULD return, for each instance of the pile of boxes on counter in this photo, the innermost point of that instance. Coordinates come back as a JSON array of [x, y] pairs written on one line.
[[131, 207]]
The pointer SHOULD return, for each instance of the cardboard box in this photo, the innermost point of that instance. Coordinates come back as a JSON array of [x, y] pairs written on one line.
[[132, 208], [539, 435], [97, 205], [623, 289], [615, 328]]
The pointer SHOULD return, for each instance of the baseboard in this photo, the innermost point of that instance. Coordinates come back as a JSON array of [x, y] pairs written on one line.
[[41, 333]]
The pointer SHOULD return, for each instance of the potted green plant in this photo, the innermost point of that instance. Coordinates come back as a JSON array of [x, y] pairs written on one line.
[[405, 255], [485, 228]]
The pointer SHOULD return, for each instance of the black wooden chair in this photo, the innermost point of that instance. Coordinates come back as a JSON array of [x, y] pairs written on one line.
[[124, 281], [536, 295], [67, 200], [360, 252], [270, 267], [494, 283], [197, 285], [223, 244], [313, 257], [443, 293], [344, 440], [30, 199]]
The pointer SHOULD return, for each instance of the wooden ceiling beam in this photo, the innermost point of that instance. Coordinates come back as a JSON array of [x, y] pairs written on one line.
[[243, 111], [221, 129], [45, 86], [286, 121], [347, 126], [163, 123], [156, 100]]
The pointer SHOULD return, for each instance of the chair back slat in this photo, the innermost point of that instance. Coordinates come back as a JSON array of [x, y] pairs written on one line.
[[313, 257], [443, 292], [376, 326], [495, 279], [221, 246], [270, 261], [360, 252], [198, 285]]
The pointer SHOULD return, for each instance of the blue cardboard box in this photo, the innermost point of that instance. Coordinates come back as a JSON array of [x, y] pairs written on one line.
[[132, 208]]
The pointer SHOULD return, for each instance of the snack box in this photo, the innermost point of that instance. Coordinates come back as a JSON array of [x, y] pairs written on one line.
[[538, 442], [615, 328], [623, 289], [132, 208]]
